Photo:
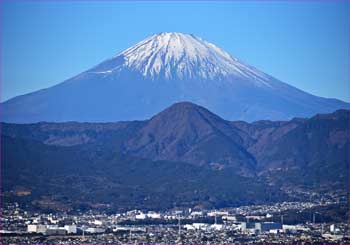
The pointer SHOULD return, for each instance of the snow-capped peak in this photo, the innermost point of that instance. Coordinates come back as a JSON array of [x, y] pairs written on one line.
[[172, 55]]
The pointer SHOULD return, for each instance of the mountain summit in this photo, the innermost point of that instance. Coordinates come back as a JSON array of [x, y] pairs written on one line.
[[190, 133], [171, 56], [163, 69]]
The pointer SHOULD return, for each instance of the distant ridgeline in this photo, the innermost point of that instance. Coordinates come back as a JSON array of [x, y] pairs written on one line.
[[185, 156]]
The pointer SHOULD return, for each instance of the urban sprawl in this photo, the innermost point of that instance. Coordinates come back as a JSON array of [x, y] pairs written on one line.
[[247, 224]]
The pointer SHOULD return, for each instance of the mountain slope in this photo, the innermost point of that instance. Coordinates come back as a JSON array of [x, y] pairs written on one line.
[[159, 71], [183, 156], [79, 177], [190, 133], [323, 136], [183, 132], [309, 153]]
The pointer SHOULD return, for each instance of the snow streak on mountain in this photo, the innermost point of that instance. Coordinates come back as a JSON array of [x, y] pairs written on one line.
[[183, 56], [163, 69]]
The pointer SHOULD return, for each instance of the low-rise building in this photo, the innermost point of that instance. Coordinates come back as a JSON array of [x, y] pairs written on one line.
[[196, 213], [98, 222], [217, 227], [229, 218], [71, 229], [36, 228], [218, 213], [153, 215], [189, 227], [56, 231], [95, 230], [200, 226], [140, 216], [267, 226]]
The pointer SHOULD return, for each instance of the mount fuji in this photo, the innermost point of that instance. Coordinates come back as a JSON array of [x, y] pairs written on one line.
[[163, 69]]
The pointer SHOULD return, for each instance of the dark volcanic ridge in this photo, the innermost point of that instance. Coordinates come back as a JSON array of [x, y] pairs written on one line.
[[185, 156]]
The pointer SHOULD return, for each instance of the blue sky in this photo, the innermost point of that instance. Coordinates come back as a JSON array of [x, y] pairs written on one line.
[[305, 44]]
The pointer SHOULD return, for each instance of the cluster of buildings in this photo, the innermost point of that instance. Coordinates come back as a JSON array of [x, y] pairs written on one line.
[[51, 229], [173, 226]]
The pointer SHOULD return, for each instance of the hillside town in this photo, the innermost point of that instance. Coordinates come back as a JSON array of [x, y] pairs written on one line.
[[247, 224]]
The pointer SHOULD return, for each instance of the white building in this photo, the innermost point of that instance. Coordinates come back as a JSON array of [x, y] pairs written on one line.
[[121, 228], [52, 220], [170, 217], [332, 237], [189, 227], [140, 216], [95, 230], [71, 229], [196, 213], [269, 215], [36, 220], [275, 231], [98, 222], [229, 218], [36, 228], [218, 213], [217, 227], [255, 217], [52, 227], [200, 226], [153, 215]]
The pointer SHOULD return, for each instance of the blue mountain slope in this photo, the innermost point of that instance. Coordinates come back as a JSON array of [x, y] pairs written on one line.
[[163, 69]]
